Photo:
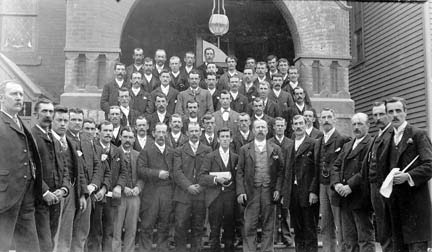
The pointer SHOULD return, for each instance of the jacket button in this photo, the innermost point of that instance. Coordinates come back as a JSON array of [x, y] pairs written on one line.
[[25, 151], [25, 163], [25, 176]]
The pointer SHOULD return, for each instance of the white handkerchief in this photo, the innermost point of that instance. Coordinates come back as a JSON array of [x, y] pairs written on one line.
[[226, 175], [387, 186]]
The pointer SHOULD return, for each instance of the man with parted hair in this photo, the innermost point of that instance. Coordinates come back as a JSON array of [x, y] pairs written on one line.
[[258, 184], [282, 98], [195, 93], [190, 207], [150, 79], [239, 102], [220, 195], [272, 63], [161, 114], [109, 95], [160, 60], [294, 83], [175, 138], [312, 125], [225, 117], [247, 87], [283, 66], [114, 117], [231, 61], [128, 114], [409, 204], [179, 79], [140, 99], [353, 190], [209, 134], [137, 66], [258, 114], [192, 108], [22, 166], [166, 89], [155, 166], [261, 71], [329, 146], [141, 139], [244, 134], [56, 182]]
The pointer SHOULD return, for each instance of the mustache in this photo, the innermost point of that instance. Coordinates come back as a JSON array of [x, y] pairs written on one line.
[[357, 131]]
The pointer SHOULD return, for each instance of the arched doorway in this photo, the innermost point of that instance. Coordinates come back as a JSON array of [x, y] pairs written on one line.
[[257, 29]]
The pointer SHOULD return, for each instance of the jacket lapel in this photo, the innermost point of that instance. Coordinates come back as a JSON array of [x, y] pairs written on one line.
[[134, 157], [252, 151], [11, 123], [359, 147], [303, 147], [219, 161], [403, 142], [270, 149]]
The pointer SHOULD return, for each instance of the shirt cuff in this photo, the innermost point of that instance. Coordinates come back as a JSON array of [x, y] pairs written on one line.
[[214, 180], [410, 180], [66, 191]]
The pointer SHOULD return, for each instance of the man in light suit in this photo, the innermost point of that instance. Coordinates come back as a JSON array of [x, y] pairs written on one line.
[[353, 189], [195, 93], [126, 214], [226, 117], [189, 194], [259, 183], [220, 196], [21, 174], [409, 203]]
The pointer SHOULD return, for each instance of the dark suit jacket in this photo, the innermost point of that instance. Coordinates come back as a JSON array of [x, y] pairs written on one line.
[[232, 122], [137, 146], [283, 102], [170, 140], [303, 163], [171, 98], [109, 95], [131, 69], [202, 96], [186, 170], [328, 153], [246, 169], [215, 98], [56, 175], [316, 134], [136, 181], [293, 111], [79, 178], [239, 141], [156, 73], [117, 140], [213, 145], [180, 82], [15, 162], [91, 160], [290, 90], [251, 94], [240, 103], [347, 170], [270, 109], [223, 82], [153, 119], [285, 145], [213, 163], [152, 85], [150, 162], [142, 102], [413, 202], [133, 115]]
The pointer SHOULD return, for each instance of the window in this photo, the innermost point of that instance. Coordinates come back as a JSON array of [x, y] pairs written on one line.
[[357, 41], [18, 25]]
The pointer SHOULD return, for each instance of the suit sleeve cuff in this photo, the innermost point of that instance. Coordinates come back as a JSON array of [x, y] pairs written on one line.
[[45, 193], [66, 191], [410, 180]]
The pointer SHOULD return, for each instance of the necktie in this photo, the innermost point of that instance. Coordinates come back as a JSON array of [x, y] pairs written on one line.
[[106, 149], [63, 143], [397, 136], [210, 139], [17, 122]]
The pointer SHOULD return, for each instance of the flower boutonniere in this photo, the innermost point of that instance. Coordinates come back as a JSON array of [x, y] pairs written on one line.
[[104, 157], [410, 141], [309, 154], [118, 159], [275, 156], [337, 150]]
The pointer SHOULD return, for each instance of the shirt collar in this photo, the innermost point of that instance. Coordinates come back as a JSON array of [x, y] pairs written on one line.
[[222, 152], [309, 130], [260, 143], [330, 133], [175, 135], [43, 131], [381, 131], [280, 139], [119, 83], [125, 151], [56, 136], [300, 141], [194, 145], [259, 117], [401, 128], [360, 139], [104, 146]]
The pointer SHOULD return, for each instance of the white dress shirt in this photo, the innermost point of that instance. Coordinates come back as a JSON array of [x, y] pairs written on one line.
[[298, 142], [328, 134], [224, 156], [260, 144]]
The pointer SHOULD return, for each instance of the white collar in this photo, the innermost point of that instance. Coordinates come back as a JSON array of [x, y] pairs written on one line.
[[234, 95], [193, 119], [175, 135], [56, 136], [300, 106], [381, 131], [245, 135], [138, 67], [43, 131], [260, 144], [188, 68], [329, 133], [175, 74], [119, 83], [103, 145], [280, 139], [293, 85], [161, 148], [277, 92], [195, 90], [225, 110], [309, 130], [401, 128], [194, 145], [298, 142], [259, 117]]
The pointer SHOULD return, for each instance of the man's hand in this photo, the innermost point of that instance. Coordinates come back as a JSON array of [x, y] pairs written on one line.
[[346, 190], [50, 198], [59, 193], [400, 177], [127, 191], [91, 188], [194, 189], [135, 191], [116, 193], [163, 174], [242, 198], [221, 180], [338, 188], [100, 194], [313, 198], [276, 196], [83, 203]]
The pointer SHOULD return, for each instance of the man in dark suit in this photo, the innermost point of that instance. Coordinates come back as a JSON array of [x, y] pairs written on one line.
[[226, 117], [239, 102], [409, 203], [179, 79], [293, 84], [102, 217], [141, 139], [374, 168], [128, 114], [209, 136], [209, 55], [76, 202], [192, 108], [244, 134], [92, 171], [282, 98], [353, 190], [175, 138], [270, 108], [301, 187], [283, 66], [211, 81], [189, 195], [261, 71], [21, 174], [272, 63], [282, 223], [259, 183], [247, 88], [140, 99], [126, 216], [110, 92], [160, 115], [299, 109], [56, 181], [258, 114], [137, 66], [166, 89], [150, 80], [328, 147], [160, 60], [189, 60], [114, 117], [155, 166], [194, 93], [224, 79], [311, 124], [220, 195]]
